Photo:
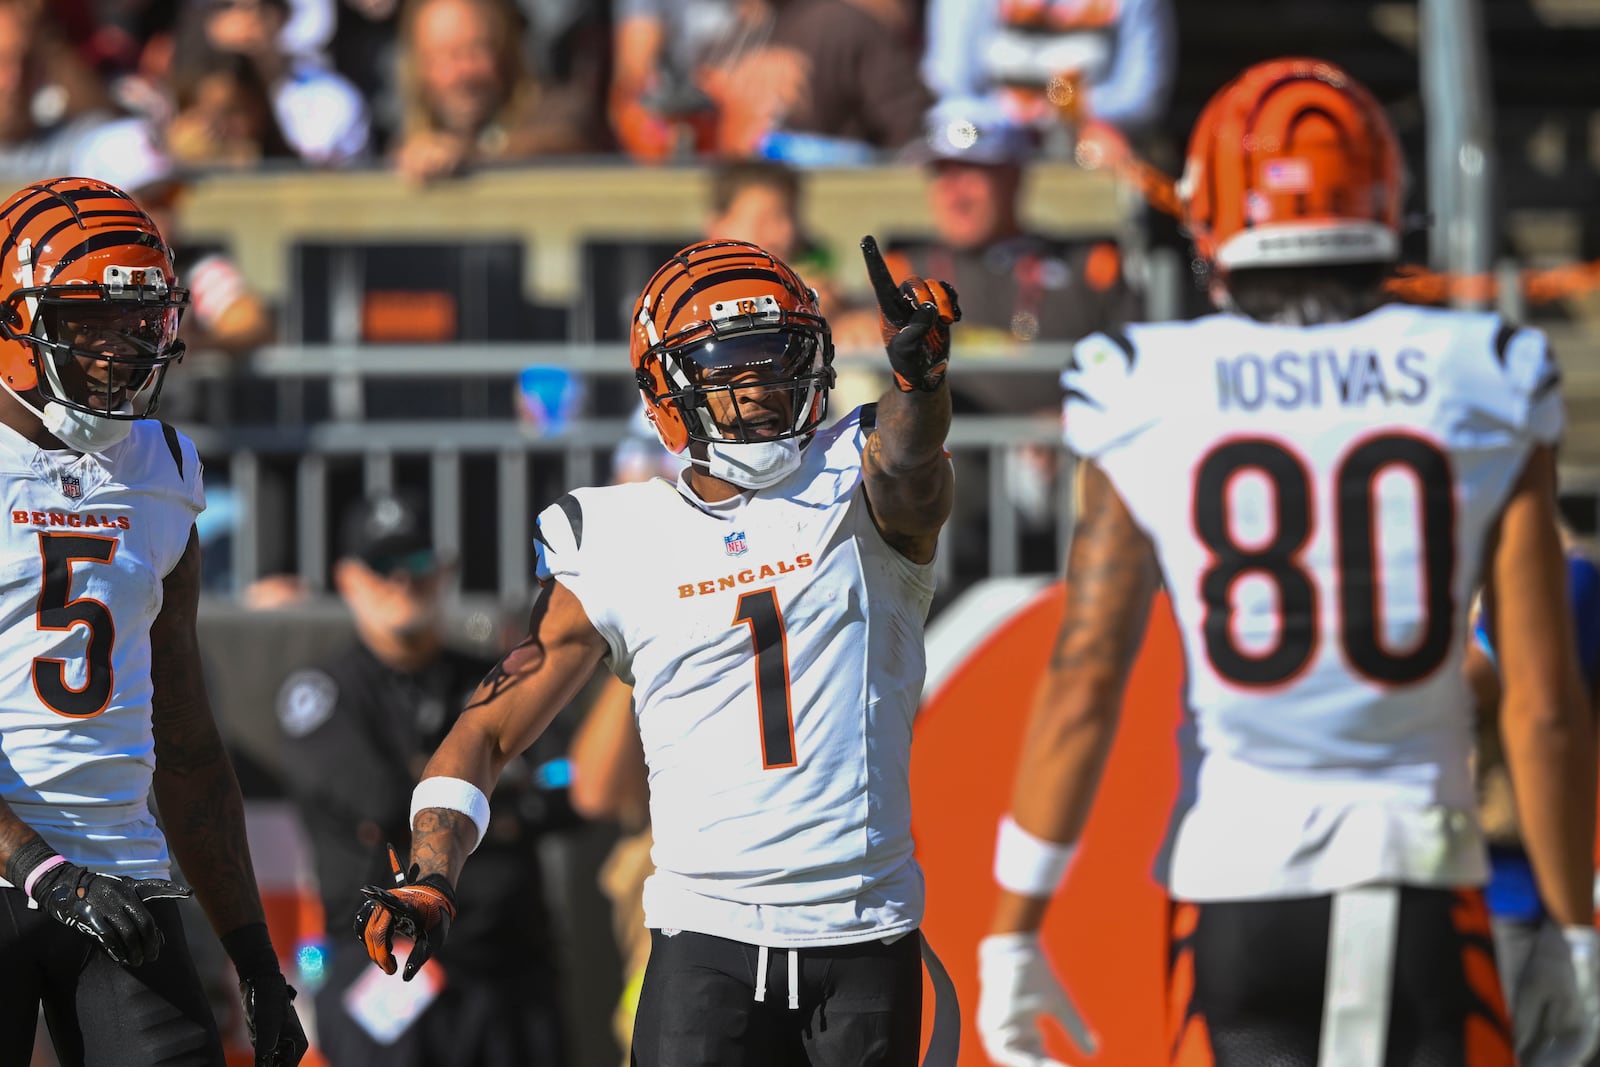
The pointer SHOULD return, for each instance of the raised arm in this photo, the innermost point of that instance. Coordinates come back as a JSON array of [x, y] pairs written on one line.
[[909, 481]]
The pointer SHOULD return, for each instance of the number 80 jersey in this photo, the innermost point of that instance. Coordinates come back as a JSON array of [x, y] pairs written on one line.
[[1319, 499]]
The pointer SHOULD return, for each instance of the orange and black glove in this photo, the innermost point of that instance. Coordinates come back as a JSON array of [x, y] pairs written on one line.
[[418, 908], [915, 319]]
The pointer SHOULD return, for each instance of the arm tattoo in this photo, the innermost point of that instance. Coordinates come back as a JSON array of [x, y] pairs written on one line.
[[1111, 578], [196, 791], [440, 841], [527, 657]]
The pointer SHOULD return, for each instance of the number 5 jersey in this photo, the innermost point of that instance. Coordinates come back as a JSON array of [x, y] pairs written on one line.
[[88, 541], [1319, 499], [775, 645]]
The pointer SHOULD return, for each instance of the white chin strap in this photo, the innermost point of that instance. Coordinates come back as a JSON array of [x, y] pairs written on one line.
[[83, 432], [78, 430], [754, 465]]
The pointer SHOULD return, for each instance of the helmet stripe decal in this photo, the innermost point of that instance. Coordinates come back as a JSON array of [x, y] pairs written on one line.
[[108, 239], [744, 274], [39, 204], [50, 234]]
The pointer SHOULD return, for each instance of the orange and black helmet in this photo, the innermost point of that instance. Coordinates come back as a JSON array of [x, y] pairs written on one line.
[[712, 314], [1293, 163], [88, 277]]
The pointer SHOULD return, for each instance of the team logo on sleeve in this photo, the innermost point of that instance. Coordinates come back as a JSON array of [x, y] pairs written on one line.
[[735, 543]]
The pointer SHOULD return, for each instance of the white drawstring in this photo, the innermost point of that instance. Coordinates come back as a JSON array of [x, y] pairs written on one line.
[[763, 956]]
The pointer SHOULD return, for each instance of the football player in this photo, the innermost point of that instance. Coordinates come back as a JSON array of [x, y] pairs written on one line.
[[104, 701], [1349, 471], [768, 611]]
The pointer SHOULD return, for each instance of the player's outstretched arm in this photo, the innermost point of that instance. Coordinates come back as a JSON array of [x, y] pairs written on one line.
[[203, 815], [1111, 581], [450, 806], [908, 477], [1544, 713], [508, 711]]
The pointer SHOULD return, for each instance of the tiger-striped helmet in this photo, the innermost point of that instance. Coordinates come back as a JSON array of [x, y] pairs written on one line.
[[713, 314], [89, 316], [1293, 163]]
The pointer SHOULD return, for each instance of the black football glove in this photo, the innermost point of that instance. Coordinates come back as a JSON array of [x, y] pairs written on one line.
[[916, 318], [269, 1015], [108, 908], [419, 908], [275, 1030]]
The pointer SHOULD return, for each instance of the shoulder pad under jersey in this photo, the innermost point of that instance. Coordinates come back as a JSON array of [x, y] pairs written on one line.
[[1099, 408]]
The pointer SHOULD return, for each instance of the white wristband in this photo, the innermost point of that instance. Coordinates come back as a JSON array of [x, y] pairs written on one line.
[[1029, 865], [455, 794]]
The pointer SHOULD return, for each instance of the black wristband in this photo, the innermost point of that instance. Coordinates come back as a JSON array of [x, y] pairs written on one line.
[[250, 949], [25, 859]]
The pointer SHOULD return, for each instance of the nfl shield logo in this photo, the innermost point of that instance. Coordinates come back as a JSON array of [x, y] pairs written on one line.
[[71, 487], [734, 543]]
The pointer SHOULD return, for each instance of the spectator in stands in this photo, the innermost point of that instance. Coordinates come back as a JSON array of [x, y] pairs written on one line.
[[808, 81], [364, 49], [50, 101], [357, 730], [321, 115], [760, 201], [1118, 59], [469, 97], [1017, 288], [224, 115]]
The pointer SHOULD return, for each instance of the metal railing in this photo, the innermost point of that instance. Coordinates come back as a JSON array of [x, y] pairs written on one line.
[[579, 448]]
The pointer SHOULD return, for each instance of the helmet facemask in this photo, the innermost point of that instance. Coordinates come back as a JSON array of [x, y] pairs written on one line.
[[103, 350], [760, 350]]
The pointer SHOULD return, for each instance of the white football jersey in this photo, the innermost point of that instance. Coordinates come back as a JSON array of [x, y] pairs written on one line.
[[89, 539], [775, 647], [1319, 498]]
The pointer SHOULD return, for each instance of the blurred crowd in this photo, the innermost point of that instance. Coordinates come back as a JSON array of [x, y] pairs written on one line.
[[432, 88]]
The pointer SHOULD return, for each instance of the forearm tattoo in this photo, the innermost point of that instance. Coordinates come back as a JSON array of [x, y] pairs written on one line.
[[1111, 578]]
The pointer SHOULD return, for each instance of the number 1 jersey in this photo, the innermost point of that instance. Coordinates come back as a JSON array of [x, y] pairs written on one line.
[[88, 541], [1319, 499], [774, 643]]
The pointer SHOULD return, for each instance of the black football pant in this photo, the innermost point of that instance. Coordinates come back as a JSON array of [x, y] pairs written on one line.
[[1407, 981], [853, 1005], [100, 1013]]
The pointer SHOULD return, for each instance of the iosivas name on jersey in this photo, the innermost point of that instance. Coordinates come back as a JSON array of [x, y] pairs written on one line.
[[1319, 499], [88, 540], [774, 643]]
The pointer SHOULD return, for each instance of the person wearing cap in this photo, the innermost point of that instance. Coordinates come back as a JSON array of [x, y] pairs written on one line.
[[1025, 287], [357, 729], [1018, 288]]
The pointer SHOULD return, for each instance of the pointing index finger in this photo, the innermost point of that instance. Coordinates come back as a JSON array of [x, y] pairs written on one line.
[[883, 285]]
